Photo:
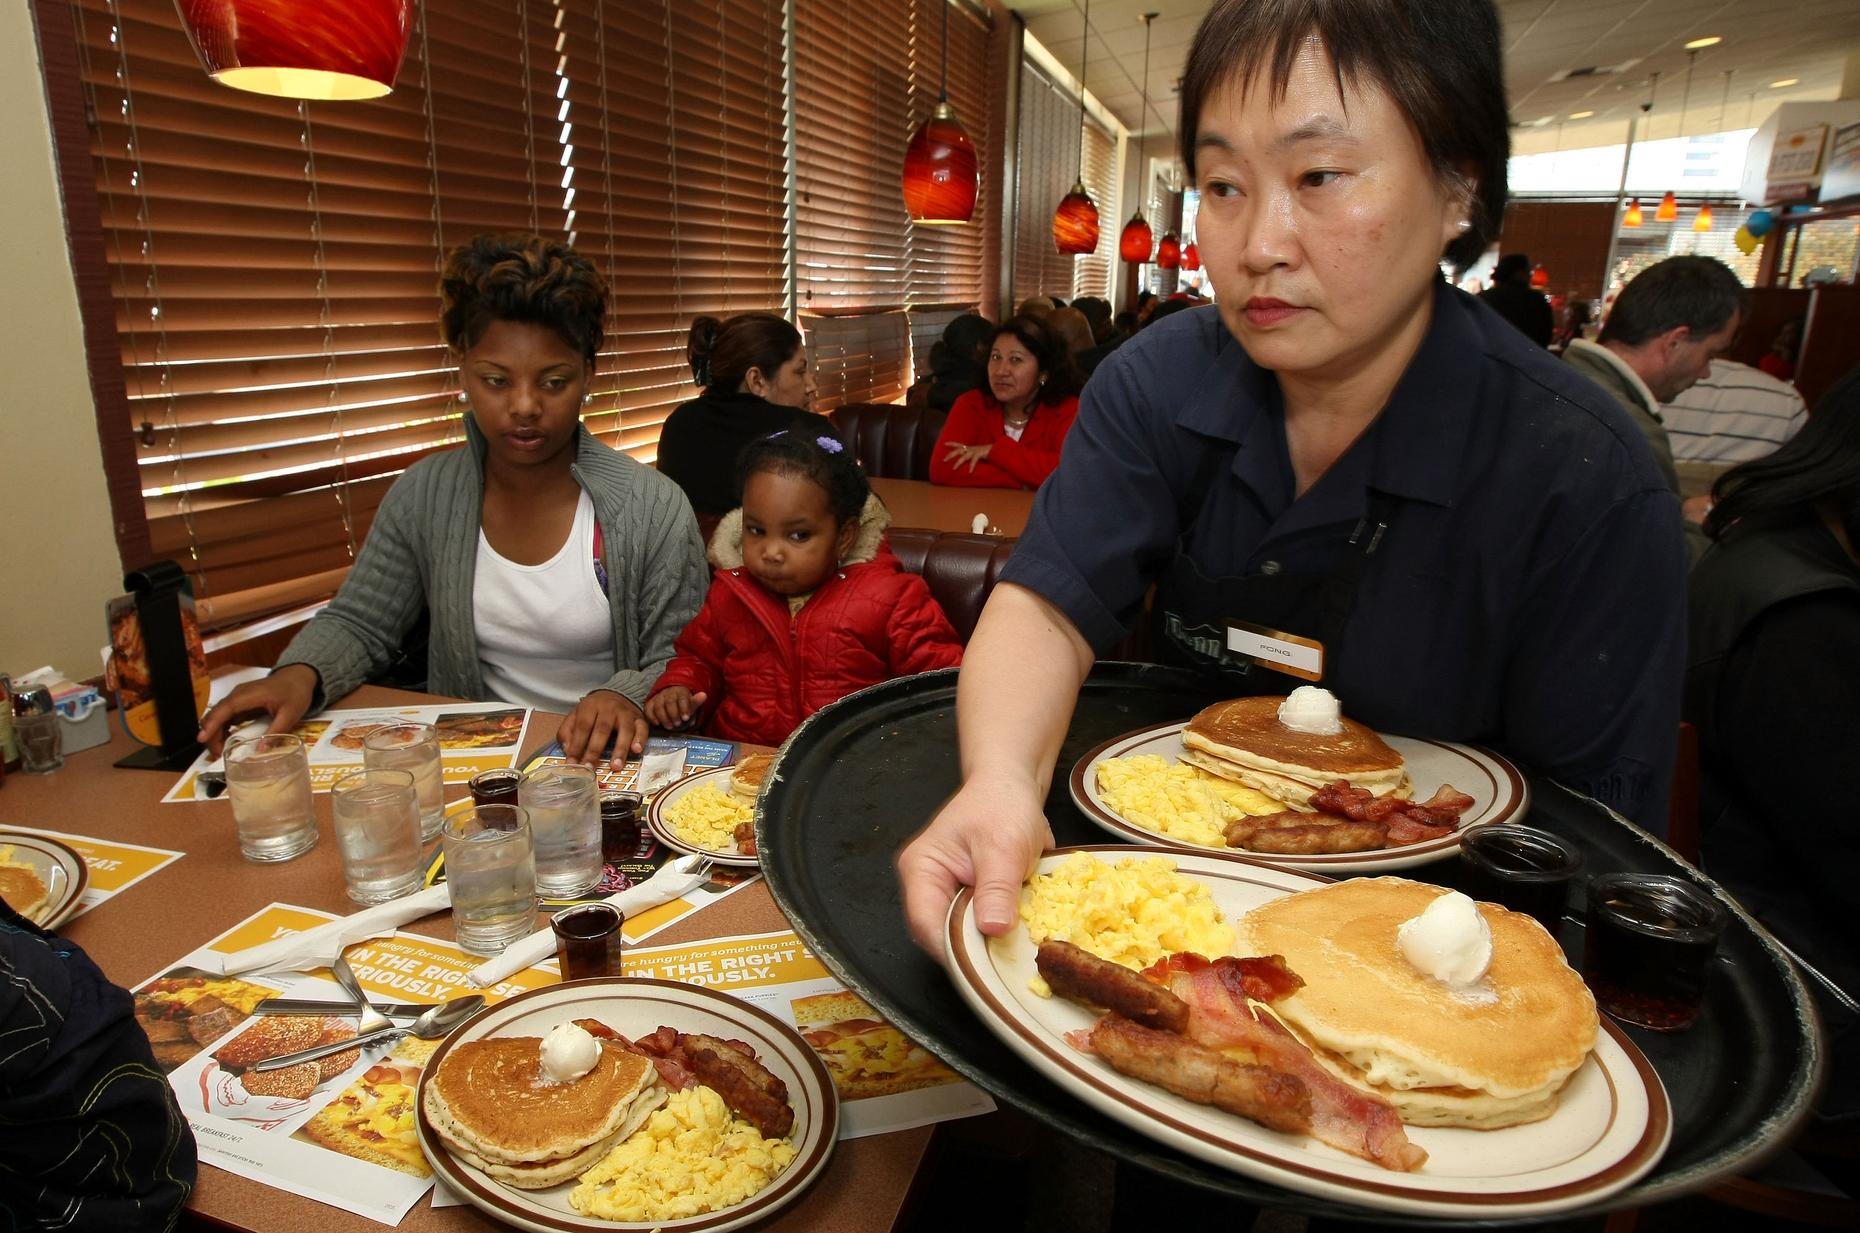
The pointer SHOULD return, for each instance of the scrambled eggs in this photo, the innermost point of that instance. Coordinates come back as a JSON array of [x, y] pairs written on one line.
[[1133, 913], [1180, 801], [707, 818], [692, 1156]]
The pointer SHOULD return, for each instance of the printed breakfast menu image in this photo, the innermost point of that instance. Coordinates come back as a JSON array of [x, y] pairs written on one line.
[[885, 1080], [339, 1130], [473, 737]]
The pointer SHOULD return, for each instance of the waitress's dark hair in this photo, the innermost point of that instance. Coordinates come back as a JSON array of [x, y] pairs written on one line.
[[1439, 60], [721, 353], [1060, 376], [515, 276], [821, 459], [1820, 464]]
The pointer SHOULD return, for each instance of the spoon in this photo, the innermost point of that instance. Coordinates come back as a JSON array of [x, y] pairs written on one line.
[[435, 1023]]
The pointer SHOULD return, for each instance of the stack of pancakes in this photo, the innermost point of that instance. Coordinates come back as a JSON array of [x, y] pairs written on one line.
[[1242, 740], [22, 889], [1495, 1056], [746, 778], [491, 1104]]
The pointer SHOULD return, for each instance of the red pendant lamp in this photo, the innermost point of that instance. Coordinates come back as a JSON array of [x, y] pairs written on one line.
[[314, 49], [1702, 220], [1169, 252], [1191, 257], [939, 164], [1540, 278], [1632, 217], [1075, 222], [1134, 244], [1669, 208]]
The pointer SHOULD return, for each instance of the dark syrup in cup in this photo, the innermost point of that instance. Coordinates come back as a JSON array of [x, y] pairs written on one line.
[[1525, 869], [588, 941], [1647, 956]]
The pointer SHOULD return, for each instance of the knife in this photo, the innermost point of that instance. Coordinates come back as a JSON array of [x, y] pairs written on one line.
[[341, 1010]]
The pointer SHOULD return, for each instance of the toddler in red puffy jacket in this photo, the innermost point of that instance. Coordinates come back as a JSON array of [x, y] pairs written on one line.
[[806, 605]]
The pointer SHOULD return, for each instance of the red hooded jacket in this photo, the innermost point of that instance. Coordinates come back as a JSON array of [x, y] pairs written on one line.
[[765, 671]]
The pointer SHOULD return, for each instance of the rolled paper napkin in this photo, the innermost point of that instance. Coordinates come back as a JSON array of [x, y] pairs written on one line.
[[980, 525], [318, 947], [673, 880]]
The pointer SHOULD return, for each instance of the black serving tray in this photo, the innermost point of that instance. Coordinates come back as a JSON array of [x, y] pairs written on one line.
[[856, 781]]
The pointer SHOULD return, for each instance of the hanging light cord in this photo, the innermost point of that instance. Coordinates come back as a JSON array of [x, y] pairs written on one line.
[[1143, 120], [1084, 53], [943, 93]]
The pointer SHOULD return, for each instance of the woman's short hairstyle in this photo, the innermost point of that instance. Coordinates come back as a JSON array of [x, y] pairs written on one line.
[[1072, 325], [1439, 60], [514, 276], [721, 353], [822, 459], [1059, 375], [1819, 465]]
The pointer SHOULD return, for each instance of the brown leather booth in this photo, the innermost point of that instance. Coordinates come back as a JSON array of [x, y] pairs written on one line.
[[961, 569], [891, 441]]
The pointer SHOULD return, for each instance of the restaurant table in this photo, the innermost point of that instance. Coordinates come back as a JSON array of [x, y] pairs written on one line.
[[918, 503], [144, 929], [860, 777]]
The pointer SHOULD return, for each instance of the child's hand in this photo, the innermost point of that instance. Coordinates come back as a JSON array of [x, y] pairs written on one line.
[[675, 707]]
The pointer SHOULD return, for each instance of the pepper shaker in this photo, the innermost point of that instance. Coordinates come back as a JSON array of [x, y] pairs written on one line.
[[41, 739]]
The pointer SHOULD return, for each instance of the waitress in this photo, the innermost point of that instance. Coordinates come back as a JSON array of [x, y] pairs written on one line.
[[1464, 539]]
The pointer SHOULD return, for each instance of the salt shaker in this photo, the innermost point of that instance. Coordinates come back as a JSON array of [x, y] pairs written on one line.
[[35, 721]]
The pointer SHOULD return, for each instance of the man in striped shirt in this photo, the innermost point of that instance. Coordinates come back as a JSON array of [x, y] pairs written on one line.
[[1734, 414]]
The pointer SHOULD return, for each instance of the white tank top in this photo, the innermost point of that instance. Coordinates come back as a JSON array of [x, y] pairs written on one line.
[[545, 632]]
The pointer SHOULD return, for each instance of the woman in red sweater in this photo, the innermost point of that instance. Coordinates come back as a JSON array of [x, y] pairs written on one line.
[[1008, 434]]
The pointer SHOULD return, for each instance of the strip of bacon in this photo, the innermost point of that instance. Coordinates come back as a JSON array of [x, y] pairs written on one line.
[[1407, 821], [1350, 1120], [1261, 978]]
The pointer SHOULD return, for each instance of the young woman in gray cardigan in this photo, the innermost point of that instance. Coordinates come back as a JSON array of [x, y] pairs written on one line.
[[556, 572]]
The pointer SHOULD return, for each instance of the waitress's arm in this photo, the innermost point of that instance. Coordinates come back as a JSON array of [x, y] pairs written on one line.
[[1020, 680]]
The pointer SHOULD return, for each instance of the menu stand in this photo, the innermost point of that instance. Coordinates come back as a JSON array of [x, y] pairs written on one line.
[[157, 588]]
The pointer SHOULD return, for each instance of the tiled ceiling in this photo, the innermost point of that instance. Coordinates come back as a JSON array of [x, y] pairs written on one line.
[[1562, 57]]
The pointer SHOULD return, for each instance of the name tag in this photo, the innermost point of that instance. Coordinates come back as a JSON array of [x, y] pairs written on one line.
[[1283, 652]]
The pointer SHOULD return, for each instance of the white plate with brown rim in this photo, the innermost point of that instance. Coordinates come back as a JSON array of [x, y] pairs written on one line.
[[57, 866], [658, 819], [1499, 795], [1611, 1124], [635, 1007]]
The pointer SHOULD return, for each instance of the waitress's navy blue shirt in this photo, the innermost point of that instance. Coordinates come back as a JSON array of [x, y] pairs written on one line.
[[1530, 592]]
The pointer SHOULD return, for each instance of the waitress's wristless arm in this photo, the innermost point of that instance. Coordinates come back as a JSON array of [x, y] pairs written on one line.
[[1020, 680]]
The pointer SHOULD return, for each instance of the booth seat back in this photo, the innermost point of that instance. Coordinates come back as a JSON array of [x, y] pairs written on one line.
[[890, 441]]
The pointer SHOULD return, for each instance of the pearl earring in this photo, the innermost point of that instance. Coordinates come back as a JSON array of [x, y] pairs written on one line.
[[1465, 224], [587, 398], [462, 399]]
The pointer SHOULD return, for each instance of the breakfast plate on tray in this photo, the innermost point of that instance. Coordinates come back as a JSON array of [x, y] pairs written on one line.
[[666, 810], [37, 870], [636, 1008], [1498, 792], [1611, 1120]]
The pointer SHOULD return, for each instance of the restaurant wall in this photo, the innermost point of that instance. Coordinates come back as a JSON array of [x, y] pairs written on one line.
[[58, 561]]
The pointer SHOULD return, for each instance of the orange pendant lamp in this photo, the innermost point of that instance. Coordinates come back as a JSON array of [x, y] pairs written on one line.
[[1702, 220], [1632, 217], [1669, 208], [1075, 222], [1191, 257], [311, 49], [1540, 278], [1134, 244], [939, 164], [1169, 252]]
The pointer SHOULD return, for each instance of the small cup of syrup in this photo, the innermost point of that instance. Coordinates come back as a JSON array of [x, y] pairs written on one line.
[[1648, 953], [588, 942], [1526, 869], [619, 826], [496, 787]]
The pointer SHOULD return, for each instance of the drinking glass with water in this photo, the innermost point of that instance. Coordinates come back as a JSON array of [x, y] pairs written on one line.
[[566, 820], [377, 820], [412, 747], [268, 780], [491, 869]]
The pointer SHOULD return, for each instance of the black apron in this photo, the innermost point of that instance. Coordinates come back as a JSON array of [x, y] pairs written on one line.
[[1189, 623]]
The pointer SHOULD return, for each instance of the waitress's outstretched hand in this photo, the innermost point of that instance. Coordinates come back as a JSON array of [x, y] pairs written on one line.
[[989, 836]]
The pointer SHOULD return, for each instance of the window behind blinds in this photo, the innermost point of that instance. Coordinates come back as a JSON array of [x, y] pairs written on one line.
[[1092, 271], [1047, 158], [945, 267], [275, 263]]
